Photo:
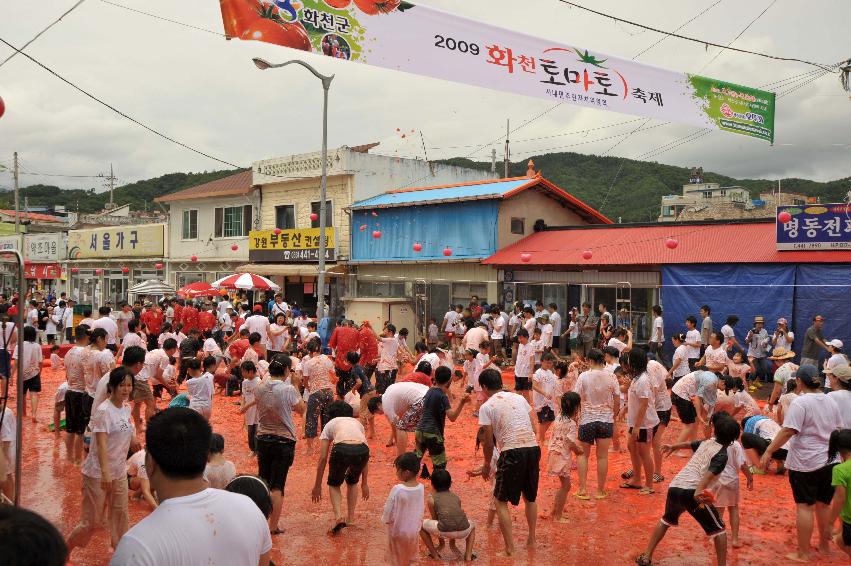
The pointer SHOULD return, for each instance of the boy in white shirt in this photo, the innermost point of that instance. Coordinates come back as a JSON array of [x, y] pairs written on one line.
[[546, 332], [537, 346], [543, 386], [523, 365], [32, 368], [403, 512]]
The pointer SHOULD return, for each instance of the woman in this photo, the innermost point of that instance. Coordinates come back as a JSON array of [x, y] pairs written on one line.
[[694, 396], [641, 418], [104, 470], [600, 394], [317, 370], [679, 363], [8, 344], [279, 336]]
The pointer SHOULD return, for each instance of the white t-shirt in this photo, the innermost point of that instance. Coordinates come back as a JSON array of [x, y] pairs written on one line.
[[836, 360], [7, 434], [658, 333], [782, 342], [508, 414], [735, 461], [523, 364], [744, 400], [597, 389], [276, 342], [224, 306], [155, 361], [681, 353], [403, 511], [387, 349], [768, 429], [710, 455], [547, 335], [211, 347], [200, 391], [109, 325], [530, 324], [498, 328], [399, 397], [693, 336], [716, 358], [60, 392], [212, 526], [729, 335], [132, 339], [122, 319], [658, 376], [546, 380], [249, 387], [555, 320], [641, 388], [450, 317], [618, 344], [74, 371], [117, 423], [343, 430], [842, 398], [32, 318], [259, 324], [136, 465], [814, 416], [472, 368], [32, 359], [97, 363]]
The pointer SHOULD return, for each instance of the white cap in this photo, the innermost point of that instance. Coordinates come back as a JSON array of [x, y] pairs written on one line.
[[835, 343]]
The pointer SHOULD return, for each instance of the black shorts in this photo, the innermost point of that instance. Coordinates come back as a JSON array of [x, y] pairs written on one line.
[[645, 435], [522, 383], [664, 418], [760, 444], [813, 487], [681, 501], [685, 409], [597, 430], [517, 473], [88, 401], [275, 455], [75, 420], [556, 342], [546, 415], [33, 384], [846, 533], [69, 334], [347, 463]]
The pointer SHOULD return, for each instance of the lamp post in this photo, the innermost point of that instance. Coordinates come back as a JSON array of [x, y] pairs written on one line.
[[262, 64]]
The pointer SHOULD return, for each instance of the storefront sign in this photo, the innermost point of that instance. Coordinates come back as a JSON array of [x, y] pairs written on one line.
[[398, 35], [44, 247], [300, 245], [822, 227], [143, 240], [9, 243], [42, 271]]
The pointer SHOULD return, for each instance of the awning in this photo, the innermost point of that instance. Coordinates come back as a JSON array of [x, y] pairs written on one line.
[[151, 287], [307, 270]]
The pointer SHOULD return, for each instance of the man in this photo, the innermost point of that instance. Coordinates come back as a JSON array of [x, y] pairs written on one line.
[[189, 318], [657, 334], [152, 374], [474, 337], [194, 524], [258, 323], [67, 318], [498, 325], [509, 419], [343, 340], [402, 404], [153, 318], [279, 307], [730, 341], [715, 357], [587, 324], [555, 320], [207, 319], [692, 342], [224, 305], [705, 327], [122, 319], [76, 417], [105, 321], [758, 344], [813, 342]]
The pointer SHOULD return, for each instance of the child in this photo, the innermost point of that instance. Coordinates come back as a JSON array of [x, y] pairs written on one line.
[[218, 471], [543, 385], [199, 389], [32, 369], [436, 409], [537, 346], [738, 366], [562, 444], [403, 511], [250, 381], [432, 334], [742, 400], [59, 407], [483, 359], [523, 365], [169, 376], [727, 495], [137, 479], [55, 360], [472, 369], [477, 472], [687, 492], [840, 442], [623, 388], [448, 520]]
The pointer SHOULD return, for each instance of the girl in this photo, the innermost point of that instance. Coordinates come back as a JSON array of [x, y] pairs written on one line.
[[32, 369], [562, 443], [472, 369], [199, 387], [219, 471], [403, 512], [840, 442], [600, 396], [317, 370], [104, 470], [742, 400], [641, 418], [279, 336], [727, 490], [211, 347], [250, 381], [50, 325], [679, 363], [738, 367]]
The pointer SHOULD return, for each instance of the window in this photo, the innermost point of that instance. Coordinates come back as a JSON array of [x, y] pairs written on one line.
[[462, 292], [707, 194], [233, 221], [518, 226], [285, 217], [329, 215], [190, 225], [667, 211], [723, 192]]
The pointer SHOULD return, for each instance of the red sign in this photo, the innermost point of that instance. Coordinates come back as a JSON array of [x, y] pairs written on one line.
[[42, 271]]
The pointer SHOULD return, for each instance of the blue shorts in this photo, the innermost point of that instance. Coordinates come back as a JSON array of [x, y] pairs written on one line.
[[590, 432]]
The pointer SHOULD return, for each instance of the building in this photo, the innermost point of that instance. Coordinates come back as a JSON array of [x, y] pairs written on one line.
[[41, 238], [427, 243], [710, 201], [285, 246], [734, 267], [210, 224]]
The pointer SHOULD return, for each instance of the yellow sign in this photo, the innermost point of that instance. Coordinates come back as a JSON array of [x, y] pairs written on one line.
[[297, 239], [142, 240]]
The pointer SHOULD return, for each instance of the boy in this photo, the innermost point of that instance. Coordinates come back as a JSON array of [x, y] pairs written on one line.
[[436, 408], [250, 382], [59, 407], [55, 360], [403, 512], [433, 334], [448, 520], [537, 347], [687, 492], [543, 386], [546, 331], [343, 437], [523, 365]]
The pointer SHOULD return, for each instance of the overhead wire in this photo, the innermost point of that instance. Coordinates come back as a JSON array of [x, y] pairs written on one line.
[[42, 32], [741, 33]]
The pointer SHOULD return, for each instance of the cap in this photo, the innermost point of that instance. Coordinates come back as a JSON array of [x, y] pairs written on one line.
[[836, 343], [544, 316], [842, 373], [808, 373], [258, 308], [782, 321]]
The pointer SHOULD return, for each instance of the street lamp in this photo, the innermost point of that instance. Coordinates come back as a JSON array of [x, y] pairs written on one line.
[[262, 64]]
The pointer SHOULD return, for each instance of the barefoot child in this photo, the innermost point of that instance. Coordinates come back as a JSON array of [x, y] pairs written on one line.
[[436, 408], [840, 442], [59, 407], [250, 381], [137, 479], [727, 495], [543, 393], [344, 438], [448, 520], [55, 360], [32, 369], [563, 444], [219, 471], [403, 511]]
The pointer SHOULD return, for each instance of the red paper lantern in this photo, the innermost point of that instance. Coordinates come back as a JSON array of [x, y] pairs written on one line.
[[314, 217], [2, 107], [525, 257], [376, 234], [277, 231], [671, 243], [587, 254], [98, 271], [159, 266], [447, 251], [193, 259], [125, 269], [234, 247], [362, 227], [418, 247], [75, 270], [784, 217]]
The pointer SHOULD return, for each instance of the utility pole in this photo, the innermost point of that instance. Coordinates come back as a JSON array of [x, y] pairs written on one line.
[[110, 183], [493, 160], [507, 148], [17, 197]]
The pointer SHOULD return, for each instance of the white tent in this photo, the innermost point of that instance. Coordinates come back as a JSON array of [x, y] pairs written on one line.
[[151, 287]]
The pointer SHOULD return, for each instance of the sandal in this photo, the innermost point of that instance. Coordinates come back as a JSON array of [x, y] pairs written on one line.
[[582, 496], [646, 491], [642, 560], [338, 527], [658, 478], [627, 485], [627, 474]]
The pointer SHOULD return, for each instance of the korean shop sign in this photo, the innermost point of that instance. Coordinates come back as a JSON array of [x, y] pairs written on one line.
[[300, 245], [822, 227], [142, 240], [398, 35], [44, 247]]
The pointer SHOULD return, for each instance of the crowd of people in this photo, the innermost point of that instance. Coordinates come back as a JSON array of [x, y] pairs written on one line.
[[141, 383]]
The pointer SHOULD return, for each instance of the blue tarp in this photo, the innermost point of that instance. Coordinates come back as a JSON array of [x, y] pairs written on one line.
[[823, 289], [745, 290], [468, 228]]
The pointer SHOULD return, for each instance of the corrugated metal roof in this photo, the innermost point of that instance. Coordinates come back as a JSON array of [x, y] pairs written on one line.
[[621, 245], [33, 216], [468, 191], [237, 184]]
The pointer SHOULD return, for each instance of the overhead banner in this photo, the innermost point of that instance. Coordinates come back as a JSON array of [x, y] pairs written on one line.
[[416, 39], [825, 227]]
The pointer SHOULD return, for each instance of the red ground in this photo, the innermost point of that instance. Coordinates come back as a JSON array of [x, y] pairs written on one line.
[[612, 531]]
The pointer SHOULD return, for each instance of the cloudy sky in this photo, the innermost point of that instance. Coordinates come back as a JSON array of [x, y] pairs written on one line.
[[204, 91]]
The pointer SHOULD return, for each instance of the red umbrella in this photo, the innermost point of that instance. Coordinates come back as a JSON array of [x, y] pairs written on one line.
[[246, 282], [197, 289]]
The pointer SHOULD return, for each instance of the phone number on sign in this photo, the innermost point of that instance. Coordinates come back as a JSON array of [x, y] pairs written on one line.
[[456, 45]]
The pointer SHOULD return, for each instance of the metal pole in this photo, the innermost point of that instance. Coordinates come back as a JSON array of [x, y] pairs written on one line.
[[323, 187], [17, 201], [19, 425]]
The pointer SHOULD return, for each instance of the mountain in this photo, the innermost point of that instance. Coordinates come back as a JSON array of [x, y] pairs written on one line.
[[639, 186]]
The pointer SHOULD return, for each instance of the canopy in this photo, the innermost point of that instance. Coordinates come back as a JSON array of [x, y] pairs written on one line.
[[151, 287], [246, 282], [197, 289]]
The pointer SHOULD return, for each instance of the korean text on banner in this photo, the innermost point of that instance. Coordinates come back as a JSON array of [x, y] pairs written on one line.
[[142, 240], [402, 36], [822, 227]]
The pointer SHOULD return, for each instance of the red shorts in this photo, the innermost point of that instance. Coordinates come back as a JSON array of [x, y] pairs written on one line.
[[450, 335]]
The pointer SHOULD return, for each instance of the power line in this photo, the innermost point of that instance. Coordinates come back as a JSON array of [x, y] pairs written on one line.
[[652, 45], [741, 33], [156, 17], [39, 34], [696, 40]]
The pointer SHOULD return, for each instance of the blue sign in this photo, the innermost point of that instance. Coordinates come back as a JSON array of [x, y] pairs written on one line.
[[822, 227]]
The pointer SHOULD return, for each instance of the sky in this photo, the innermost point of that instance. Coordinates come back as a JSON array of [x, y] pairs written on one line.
[[204, 91]]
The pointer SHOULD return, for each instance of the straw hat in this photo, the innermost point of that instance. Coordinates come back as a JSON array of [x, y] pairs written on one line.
[[842, 373], [781, 354], [759, 319]]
